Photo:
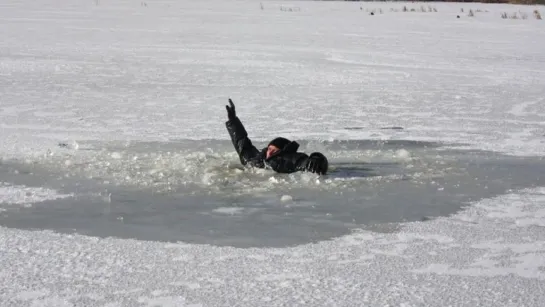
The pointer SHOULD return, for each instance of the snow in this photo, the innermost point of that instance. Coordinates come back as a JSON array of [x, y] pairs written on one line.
[[79, 72]]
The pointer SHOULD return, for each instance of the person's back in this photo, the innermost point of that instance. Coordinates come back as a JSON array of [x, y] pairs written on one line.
[[280, 155]]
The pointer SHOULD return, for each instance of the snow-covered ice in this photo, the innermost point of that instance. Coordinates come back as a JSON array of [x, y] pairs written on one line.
[[77, 75]]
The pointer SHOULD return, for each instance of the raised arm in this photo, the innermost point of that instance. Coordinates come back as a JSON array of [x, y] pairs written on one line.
[[246, 151]]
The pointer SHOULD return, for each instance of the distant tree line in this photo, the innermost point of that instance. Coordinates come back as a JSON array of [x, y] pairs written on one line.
[[529, 2]]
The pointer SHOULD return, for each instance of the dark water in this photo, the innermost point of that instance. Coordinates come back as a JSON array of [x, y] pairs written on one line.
[[197, 192]]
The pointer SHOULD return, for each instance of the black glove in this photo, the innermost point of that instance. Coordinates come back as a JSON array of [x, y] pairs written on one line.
[[231, 114], [317, 163]]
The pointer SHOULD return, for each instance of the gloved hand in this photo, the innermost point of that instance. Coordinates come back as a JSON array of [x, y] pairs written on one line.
[[231, 114], [317, 163]]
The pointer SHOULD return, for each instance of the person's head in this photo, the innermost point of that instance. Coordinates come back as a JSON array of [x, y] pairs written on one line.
[[276, 145], [271, 149]]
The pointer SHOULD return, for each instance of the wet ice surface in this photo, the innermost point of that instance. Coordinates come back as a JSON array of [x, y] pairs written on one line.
[[197, 191]]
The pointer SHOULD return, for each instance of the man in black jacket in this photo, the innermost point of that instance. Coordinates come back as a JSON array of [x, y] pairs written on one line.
[[280, 155]]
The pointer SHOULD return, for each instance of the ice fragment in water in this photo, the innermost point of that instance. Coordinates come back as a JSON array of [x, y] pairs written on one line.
[[273, 179], [403, 154], [286, 198]]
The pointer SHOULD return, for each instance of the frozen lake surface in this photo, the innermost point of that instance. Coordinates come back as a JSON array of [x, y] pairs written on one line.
[[435, 126]]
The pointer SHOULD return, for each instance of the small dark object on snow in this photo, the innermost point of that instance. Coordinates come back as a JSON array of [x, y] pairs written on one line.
[[457, 16], [353, 128], [392, 128]]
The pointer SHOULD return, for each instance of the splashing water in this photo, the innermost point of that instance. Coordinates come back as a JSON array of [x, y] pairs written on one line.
[[216, 168]]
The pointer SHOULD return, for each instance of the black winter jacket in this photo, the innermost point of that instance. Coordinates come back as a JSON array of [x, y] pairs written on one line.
[[286, 160]]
